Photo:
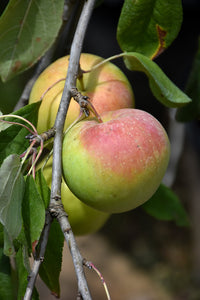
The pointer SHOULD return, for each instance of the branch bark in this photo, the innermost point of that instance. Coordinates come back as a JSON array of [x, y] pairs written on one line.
[[39, 259], [56, 208], [55, 202]]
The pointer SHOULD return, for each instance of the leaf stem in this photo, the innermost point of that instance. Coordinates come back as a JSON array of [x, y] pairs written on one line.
[[105, 61], [16, 123]]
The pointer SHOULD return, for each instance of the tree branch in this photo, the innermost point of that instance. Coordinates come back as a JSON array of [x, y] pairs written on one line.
[[39, 259], [55, 201], [56, 208]]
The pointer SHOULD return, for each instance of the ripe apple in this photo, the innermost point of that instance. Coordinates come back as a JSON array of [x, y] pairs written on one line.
[[116, 165], [83, 219], [107, 87]]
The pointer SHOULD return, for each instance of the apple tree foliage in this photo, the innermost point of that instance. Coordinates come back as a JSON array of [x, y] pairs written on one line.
[[27, 30]]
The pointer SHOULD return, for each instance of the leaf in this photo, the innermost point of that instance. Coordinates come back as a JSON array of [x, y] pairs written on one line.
[[43, 188], [165, 205], [33, 212], [192, 111], [27, 30], [161, 86], [12, 139], [1, 235], [149, 26], [11, 195], [3, 125], [23, 270], [51, 266], [6, 285]]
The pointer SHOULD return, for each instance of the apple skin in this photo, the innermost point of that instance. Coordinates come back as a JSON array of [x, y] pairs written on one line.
[[107, 87], [82, 218], [116, 165]]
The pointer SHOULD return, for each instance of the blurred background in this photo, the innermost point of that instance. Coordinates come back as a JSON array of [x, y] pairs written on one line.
[[140, 257]]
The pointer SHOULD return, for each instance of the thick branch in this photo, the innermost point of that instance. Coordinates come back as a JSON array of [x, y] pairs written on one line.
[[70, 83], [56, 208]]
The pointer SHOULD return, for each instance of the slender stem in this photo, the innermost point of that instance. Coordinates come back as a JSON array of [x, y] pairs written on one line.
[[37, 262], [23, 119], [70, 83], [105, 61]]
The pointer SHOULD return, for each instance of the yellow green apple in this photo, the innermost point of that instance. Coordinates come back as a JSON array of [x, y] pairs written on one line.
[[107, 87], [116, 165], [83, 219]]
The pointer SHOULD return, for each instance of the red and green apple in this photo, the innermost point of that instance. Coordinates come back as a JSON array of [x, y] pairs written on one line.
[[116, 165], [107, 87]]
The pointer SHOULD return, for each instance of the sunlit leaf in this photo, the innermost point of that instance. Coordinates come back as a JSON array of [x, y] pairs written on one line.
[[165, 205], [149, 26], [27, 30]]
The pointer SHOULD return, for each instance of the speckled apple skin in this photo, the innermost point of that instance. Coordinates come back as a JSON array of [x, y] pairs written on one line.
[[107, 87], [116, 165]]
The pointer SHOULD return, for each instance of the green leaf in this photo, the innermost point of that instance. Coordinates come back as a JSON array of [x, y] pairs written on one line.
[[1, 235], [33, 212], [6, 285], [27, 30], [149, 26], [192, 111], [11, 195], [165, 205], [8, 244], [51, 266], [161, 86], [23, 270], [12, 139], [43, 188]]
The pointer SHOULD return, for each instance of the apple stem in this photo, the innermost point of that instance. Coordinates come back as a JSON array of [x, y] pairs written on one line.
[[92, 108], [80, 77], [85, 105], [81, 117]]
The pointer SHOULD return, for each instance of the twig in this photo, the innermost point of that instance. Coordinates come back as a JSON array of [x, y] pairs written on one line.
[[37, 262], [55, 201], [90, 265]]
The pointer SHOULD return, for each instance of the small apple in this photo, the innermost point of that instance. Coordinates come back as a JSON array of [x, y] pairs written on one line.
[[107, 87], [116, 165], [83, 219]]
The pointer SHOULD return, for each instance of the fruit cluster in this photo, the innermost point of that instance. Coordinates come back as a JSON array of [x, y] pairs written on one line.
[[114, 166]]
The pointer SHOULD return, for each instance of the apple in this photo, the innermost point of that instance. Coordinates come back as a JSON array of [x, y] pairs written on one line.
[[107, 87], [116, 165], [83, 219]]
